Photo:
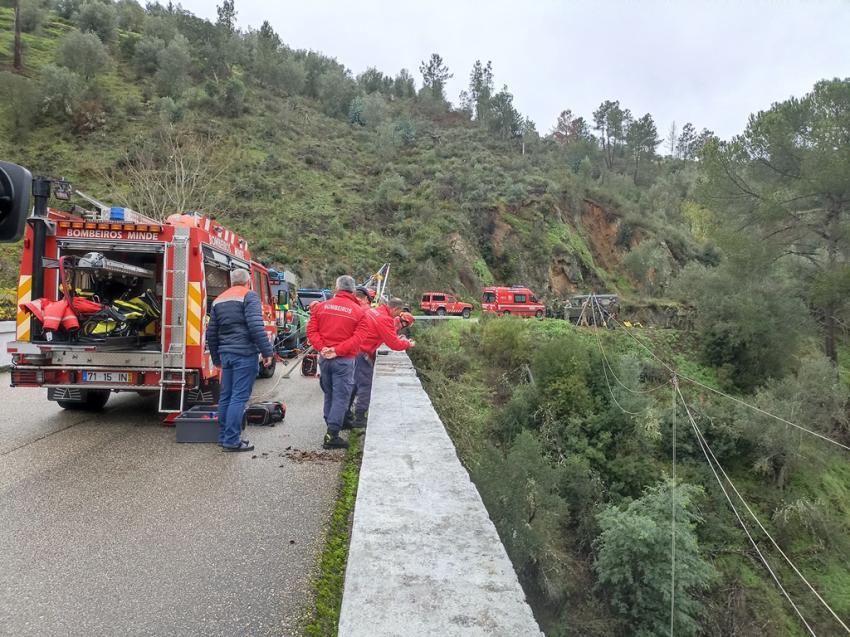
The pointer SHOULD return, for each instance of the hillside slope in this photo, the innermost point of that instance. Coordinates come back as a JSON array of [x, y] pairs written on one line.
[[449, 203]]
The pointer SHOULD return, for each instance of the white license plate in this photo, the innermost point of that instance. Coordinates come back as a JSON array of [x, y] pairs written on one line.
[[127, 378]]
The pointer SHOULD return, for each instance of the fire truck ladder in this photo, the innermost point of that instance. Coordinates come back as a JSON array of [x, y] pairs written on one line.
[[175, 284]]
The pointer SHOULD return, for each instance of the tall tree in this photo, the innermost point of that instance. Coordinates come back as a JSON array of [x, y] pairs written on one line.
[[612, 122], [227, 15], [569, 129], [480, 90], [633, 561], [505, 121], [787, 178], [642, 140], [404, 85], [372, 80], [434, 75], [672, 138], [686, 143]]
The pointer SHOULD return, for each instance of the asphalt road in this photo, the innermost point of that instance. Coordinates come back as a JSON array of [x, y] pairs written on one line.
[[109, 527]]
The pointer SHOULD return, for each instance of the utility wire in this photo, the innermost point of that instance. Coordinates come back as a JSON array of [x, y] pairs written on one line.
[[606, 361], [761, 526], [706, 449], [673, 518], [725, 395], [608, 382], [703, 446]]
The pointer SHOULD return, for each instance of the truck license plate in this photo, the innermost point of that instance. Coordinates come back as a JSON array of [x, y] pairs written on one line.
[[126, 378]]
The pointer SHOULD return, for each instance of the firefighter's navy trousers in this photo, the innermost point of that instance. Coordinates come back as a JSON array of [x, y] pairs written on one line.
[[337, 381], [363, 373], [238, 374]]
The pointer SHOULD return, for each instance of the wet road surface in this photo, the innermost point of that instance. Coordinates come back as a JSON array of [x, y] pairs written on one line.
[[109, 527]]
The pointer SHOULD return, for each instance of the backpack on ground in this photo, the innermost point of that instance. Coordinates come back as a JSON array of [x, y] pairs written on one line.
[[264, 414]]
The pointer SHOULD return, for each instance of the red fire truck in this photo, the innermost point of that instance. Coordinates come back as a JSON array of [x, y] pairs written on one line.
[[124, 305], [516, 300]]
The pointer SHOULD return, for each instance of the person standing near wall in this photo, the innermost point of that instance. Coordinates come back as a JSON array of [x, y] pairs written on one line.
[[382, 330], [236, 337], [336, 330]]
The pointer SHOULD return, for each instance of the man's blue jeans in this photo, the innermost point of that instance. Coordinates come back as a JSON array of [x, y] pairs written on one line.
[[337, 382], [238, 374]]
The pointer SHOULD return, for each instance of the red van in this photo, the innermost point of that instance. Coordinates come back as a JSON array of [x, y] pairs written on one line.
[[516, 300], [440, 303]]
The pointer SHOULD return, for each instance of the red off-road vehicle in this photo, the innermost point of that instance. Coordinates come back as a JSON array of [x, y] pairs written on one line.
[[441, 304]]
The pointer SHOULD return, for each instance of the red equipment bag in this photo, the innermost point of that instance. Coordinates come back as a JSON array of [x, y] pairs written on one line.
[[310, 365]]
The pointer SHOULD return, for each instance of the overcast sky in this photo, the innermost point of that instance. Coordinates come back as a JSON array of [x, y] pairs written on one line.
[[709, 62]]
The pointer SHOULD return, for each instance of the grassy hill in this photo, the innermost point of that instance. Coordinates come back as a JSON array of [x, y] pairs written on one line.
[[411, 181]]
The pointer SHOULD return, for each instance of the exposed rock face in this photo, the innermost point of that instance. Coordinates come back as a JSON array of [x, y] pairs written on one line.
[[501, 230], [601, 229], [565, 275], [463, 255]]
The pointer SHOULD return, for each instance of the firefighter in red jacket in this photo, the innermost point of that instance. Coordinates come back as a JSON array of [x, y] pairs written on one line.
[[365, 295], [336, 329], [382, 329]]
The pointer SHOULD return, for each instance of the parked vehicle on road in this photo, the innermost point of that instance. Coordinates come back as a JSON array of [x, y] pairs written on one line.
[[579, 305], [306, 296], [291, 318], [442, 304], [110, 300], [517, 300]]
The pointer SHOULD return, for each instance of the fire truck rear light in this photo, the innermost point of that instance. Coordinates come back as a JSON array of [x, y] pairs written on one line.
[[129, 226], [27, 377], [103, 226], [11, 350], [155, 228], [78, 225], [64, 224], [142, 228], [91, 226], [115, 226]]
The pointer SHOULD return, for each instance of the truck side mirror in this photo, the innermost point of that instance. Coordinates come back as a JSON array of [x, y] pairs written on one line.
[[282, 297], [15, 186]]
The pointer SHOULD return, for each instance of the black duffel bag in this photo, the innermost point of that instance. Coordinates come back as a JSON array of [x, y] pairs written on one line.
[[264, 414]]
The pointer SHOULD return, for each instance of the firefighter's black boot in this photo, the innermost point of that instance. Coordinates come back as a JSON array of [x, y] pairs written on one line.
[[359, 420], [333, 441]]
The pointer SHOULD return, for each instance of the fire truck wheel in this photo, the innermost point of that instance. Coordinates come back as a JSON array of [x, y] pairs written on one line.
[[441, 311], [95, 401], [465, 313], [268, 372], [506, 313], [538, 314]]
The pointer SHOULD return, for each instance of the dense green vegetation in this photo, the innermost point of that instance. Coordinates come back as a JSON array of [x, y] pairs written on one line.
[[576, 471]]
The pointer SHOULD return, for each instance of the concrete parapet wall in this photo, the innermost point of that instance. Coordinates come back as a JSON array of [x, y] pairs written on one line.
[[425, 558]]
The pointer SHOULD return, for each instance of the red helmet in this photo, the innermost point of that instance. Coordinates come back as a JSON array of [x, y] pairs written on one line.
[[406, 319]]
